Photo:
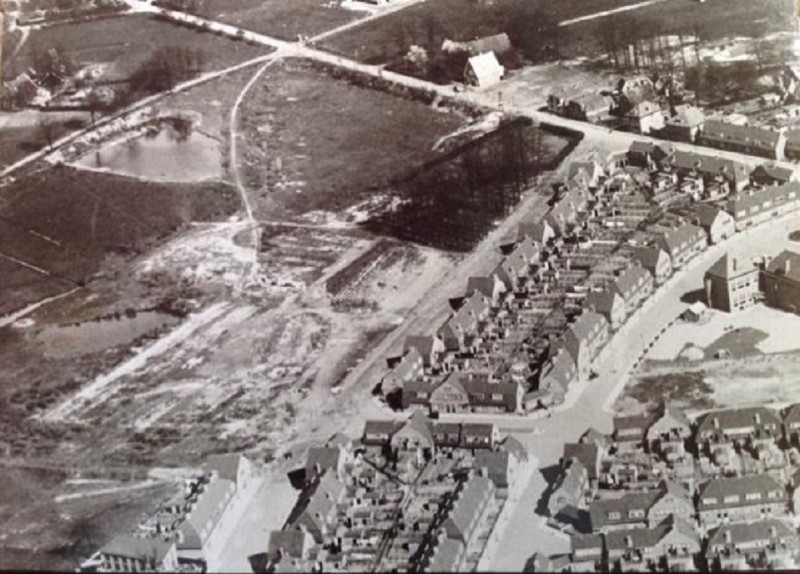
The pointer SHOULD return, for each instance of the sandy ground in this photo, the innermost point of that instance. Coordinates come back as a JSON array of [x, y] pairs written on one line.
[[782, 329]]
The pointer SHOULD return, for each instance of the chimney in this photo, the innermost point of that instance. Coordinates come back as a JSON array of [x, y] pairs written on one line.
[[773, 532], [758, 418], [628, 542], [716, 423], [788, 266], [727, 536], [735, 263]]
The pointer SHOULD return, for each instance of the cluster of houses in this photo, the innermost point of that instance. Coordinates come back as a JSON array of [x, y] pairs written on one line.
[[635, 105], [617, 229], [408, 495], [663, 492], [188, 531]]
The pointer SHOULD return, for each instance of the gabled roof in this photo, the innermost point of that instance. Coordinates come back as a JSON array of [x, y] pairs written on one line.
[[445, 557], [485, 285], [720, 131], [779, 173], [644, 109], [138, 548], [496, 463], [634, 423], [586, 542], [682, 237], [485, 66], [643, 538], [740, 486], [786, 264], [648, 257], [226, 465], [536, 230], [707, 214], [468, 503], [792, 413], [326, 457], [373, 427], [587, 453], [737, 418], [206, 512], [562, 369], [499, 44], [630, 280], [424, 344], [731, 536], [592, 103], [291, 542], [687, 116], [759, 197], [587, 325], [710, 165], [419, 423], [600, 510], [512, 445], [605, 301]]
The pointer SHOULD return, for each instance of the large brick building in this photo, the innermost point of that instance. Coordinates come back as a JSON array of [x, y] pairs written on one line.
[[731, 285], [781, 280]]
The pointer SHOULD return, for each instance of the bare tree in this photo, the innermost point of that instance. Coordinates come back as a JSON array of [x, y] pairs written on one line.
[[46, 131]]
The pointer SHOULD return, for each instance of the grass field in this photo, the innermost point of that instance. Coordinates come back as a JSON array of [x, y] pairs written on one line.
[[124, 43], [87, 216], [316, 143], [281, 18]]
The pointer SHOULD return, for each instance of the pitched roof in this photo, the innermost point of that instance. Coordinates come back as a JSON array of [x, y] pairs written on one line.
[[226, 465], [737, 418], [707, 214], [419, 423], [424, 344], [648, 256], [587, 325], [639, 423], [587, 453], [536, 230], [643, 109], [721, 131], [372, 427], [687, 116], [292, 542], [601, 510], [592, 102], [561, 370], [733, 535], [326, 457], [728, 267], [776, 172], [586, 542], [630, 281], [498, 43], [642, 538], [445, 557], [496, 463], [138, 548], [513, 446], [604, 302], [720, 488], [759, 198], [786, 264], [485, 285], [206, 512], [485, 66], [677, 239], [468, 503], [710, 165]]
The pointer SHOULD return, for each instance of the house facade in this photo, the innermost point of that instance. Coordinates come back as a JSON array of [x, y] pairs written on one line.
[[781, 280], [731, 285]]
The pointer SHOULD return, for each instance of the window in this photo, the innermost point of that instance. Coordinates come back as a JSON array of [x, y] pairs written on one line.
[[636, 513], [752, 496], [614, 515], [497, 396], [731, 498], [709, 501]]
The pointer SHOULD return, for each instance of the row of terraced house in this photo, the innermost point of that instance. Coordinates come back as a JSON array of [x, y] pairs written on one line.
[[470, 364], [663, 491]]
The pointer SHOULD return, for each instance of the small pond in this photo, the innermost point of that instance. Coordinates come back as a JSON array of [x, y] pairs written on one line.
[[62, 342], [164, 157]]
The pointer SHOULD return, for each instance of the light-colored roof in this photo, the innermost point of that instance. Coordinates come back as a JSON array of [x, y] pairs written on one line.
[[485, 66], [720, 131], [467, 503], [687, 116]]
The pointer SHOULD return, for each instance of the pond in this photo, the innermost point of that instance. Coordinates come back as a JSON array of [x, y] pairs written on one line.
[[68, 341], [163, 157]]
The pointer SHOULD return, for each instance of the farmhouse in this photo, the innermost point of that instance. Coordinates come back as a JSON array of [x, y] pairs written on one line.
[[483, 70]]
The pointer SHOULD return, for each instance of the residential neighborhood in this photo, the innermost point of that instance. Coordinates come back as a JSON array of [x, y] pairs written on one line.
[[399, 285]]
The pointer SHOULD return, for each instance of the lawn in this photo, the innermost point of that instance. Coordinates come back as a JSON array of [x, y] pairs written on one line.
[[280, 18], [126, 42], [312, 142], [20, 141], [87, 217]]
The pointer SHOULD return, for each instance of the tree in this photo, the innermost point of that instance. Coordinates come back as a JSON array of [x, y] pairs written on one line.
[[46, 131]]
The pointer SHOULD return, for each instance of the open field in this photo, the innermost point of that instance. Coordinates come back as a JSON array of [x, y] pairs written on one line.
[[428, 24], [297, 158], [284, 19], [124, 43], [79, 218]]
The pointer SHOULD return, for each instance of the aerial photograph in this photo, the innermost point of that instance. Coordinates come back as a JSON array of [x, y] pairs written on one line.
[[399, 285]]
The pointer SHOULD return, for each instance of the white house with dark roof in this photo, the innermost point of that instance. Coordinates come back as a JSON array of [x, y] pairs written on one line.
[[761, 205], [641, 509], [738, 426], [608, 303]]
